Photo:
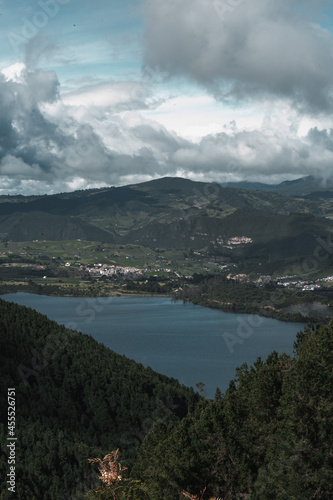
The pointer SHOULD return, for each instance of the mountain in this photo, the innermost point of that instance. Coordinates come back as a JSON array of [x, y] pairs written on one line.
[[38, 225], [299, 187], [245, 233], [179, 214]]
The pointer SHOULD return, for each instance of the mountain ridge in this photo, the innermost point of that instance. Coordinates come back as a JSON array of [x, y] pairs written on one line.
[[302, 186], [176, 213]]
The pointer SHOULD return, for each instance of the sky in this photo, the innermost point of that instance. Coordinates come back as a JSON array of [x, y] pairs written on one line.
[[116, 92]]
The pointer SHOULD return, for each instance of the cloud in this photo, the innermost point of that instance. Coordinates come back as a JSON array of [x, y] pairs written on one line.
[[50, 144], [265, 155], [17, 168], [53, 144], [39, 49], [250, 50], [25, 133], [120, 95]]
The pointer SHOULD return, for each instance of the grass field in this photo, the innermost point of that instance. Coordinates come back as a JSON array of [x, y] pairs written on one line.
[[56, 254], [32, 260]]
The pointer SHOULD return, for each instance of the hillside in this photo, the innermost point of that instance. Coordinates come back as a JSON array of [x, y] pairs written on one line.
[[28, 226], [176, 213], [75, 399], [269, 436], [246, 233]]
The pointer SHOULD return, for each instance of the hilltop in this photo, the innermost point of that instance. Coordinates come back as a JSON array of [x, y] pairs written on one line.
[[175, 213]]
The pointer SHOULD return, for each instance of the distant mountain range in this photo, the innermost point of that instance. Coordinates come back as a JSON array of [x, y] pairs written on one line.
[[304, 186], [257, 222]]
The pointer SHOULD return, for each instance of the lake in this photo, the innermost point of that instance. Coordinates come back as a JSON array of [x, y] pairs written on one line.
[[188, 342]]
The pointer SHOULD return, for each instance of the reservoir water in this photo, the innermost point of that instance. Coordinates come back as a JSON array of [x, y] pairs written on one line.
[[188, 342]]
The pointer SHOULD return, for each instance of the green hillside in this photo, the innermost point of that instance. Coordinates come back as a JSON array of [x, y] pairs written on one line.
[[269, 436], [75, 399], [273, 236], [29, 226], [178, 214]]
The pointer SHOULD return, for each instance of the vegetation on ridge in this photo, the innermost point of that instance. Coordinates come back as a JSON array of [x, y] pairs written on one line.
[[75, 399], [268, 436]]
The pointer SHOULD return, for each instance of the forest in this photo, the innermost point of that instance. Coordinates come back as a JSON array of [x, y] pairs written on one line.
[[268, 436], [75, 399], [268, 300]]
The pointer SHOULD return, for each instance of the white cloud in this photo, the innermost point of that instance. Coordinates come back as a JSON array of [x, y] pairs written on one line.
[[259, 155], [56, 145], [194, 117], [15, 72], [121, 95]]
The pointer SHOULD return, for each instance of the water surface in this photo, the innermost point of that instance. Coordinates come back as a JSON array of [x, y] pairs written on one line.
[[188, 342]]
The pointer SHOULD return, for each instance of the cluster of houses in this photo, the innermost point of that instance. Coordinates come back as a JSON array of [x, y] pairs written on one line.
[[290, 282], [116, 271], [130, 272], [305, 286], [113, 271]]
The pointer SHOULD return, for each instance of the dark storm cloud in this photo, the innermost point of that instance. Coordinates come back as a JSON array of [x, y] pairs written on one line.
[[324, 138], [250, 49], [25, 134], [21, 122], [37, 149], [159, 138]]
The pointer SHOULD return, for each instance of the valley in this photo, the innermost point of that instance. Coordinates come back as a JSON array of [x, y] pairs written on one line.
[[255, 254], [169, 236]]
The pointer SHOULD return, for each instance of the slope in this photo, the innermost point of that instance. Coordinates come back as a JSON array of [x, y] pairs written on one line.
[[75, 399], [175, 213], [244, 233], [20, 226]]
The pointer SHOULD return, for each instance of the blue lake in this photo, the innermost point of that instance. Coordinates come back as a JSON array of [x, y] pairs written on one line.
[[191, 343]]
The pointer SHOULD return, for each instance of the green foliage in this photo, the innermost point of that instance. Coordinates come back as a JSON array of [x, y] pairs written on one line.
[[301, 455], [269, 436], [174, 213], [219, 292], [75, 399]]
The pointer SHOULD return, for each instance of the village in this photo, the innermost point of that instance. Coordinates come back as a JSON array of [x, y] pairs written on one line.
[[99, 270]]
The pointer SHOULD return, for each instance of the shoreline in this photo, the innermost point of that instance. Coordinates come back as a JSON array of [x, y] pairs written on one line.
[[290, 317], [90, 296]]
